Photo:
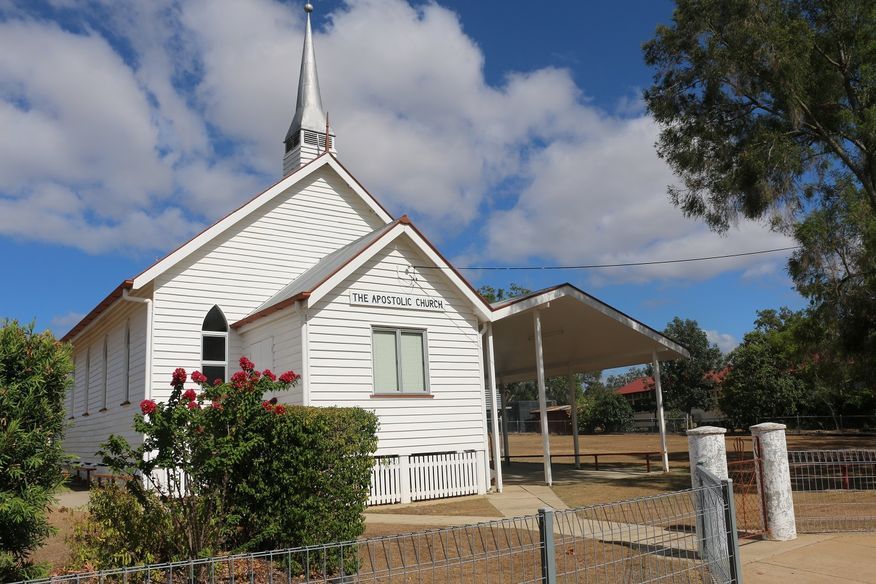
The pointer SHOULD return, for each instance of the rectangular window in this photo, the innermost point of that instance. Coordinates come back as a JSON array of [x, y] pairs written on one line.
[[127, 364], [87, 378], [105, 370], [400, 362]]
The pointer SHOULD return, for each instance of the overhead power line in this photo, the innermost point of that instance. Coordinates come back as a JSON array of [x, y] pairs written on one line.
[[629, 264]]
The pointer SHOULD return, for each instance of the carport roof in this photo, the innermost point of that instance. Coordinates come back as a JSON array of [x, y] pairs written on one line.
[[580, 333]]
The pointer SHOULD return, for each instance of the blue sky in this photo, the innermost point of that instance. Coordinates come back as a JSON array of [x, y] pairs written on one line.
[[512, 132]]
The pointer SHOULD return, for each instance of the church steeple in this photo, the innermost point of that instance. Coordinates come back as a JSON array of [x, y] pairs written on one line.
[[306, 138]]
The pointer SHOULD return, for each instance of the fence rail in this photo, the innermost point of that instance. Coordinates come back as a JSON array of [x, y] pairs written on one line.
[[650, 539], [402, 479], [833, 490]]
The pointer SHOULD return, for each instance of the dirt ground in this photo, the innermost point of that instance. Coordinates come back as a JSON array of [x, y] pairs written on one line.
[[676, 444], [597, 488], [470, 506]]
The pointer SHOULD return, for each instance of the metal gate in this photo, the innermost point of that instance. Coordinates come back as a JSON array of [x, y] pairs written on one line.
[[745, 470]]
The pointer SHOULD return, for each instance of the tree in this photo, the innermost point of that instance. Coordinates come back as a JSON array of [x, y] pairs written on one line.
[[762, 381], [686, 383], [492, 294], [224, 469], [34, 376], [768, 110], [604, 410], [621, 379]]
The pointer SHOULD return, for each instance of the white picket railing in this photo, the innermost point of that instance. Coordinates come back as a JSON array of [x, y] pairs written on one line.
[[385, 481], [419, 477], [434, 476]]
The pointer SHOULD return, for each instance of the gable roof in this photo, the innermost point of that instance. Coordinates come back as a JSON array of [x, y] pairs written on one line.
[[226, 222], [222, 225], [110, 299], [514, 306], [333, 269], [638, 385]]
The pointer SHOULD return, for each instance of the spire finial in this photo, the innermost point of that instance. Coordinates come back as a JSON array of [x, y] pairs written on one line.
[[309, 114]]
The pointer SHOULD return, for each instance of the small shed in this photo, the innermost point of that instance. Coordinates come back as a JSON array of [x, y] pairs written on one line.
[[559, 419]]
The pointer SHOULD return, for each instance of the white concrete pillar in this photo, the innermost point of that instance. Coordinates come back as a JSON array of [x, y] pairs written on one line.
[[775, 481], [573, 414], [542, 398], [705, 446], [661, 421]]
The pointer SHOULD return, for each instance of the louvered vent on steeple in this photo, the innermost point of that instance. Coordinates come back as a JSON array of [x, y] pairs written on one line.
[[306, 137]]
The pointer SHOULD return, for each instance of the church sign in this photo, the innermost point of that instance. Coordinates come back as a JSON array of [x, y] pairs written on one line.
[[390, 300]]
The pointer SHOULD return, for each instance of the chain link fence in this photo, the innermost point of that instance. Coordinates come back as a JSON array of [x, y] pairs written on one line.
[[833, 490], [675, 537]]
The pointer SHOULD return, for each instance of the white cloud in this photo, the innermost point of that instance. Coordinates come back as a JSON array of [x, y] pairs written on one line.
[[62, 323], [602, 198], [725, 341], [101, 152]]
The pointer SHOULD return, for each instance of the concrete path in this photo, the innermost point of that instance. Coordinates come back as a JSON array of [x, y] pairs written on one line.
[[832, 557], [519, 500], [72, 499], [515, 501]]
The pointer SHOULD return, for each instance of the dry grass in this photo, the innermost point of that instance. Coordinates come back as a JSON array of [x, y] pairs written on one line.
[[531, 444], [604, 488], [469, 506], [55, 552]]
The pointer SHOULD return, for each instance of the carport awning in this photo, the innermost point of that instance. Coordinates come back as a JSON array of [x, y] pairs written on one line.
[[579, 333]]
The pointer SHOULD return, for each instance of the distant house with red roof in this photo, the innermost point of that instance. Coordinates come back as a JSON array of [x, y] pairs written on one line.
[[640, 392]]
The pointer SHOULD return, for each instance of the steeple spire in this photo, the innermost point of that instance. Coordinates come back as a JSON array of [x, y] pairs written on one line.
[[306, 138]]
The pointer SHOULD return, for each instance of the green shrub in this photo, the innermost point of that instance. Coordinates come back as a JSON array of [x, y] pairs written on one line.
[[123, 530], [34, 375], [230, 471], [604, 411]]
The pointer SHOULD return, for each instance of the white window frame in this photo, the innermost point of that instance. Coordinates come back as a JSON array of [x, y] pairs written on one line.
[[427, 386], [224, 335], [127, 364]]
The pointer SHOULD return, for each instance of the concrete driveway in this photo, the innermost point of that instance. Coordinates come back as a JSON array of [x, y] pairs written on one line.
[[830, 557]]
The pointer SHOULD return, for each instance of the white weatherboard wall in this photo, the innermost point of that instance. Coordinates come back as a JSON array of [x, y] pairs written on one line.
[[85, 434], [340, 362], [248, 264], [279, 334]]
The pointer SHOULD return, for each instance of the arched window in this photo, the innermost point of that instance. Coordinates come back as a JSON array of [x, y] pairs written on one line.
[[214, 345]]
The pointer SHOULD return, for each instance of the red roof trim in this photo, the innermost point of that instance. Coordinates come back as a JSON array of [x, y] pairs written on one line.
[[453, 268], [97, 310]]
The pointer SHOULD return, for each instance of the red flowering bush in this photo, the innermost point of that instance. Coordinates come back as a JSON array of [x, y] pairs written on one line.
[[258, 474]]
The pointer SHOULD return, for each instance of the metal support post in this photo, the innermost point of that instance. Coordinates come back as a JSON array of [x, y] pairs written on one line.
[[573, 414], [661, 421], [542, 399], [548, 549], [732, 534]]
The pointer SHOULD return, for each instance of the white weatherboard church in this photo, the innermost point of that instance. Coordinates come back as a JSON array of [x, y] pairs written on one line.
[[314, 275]]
